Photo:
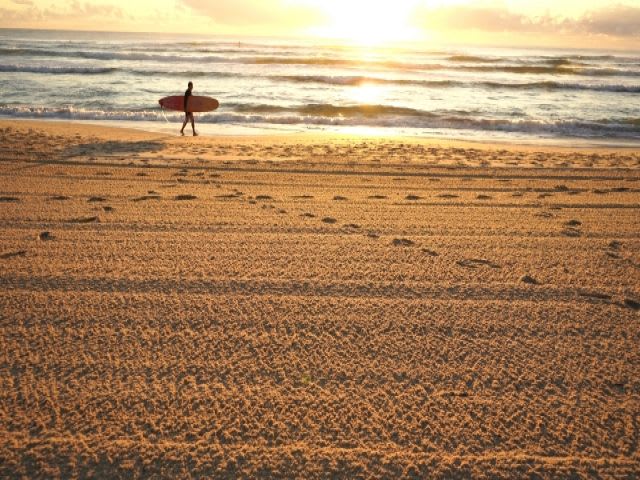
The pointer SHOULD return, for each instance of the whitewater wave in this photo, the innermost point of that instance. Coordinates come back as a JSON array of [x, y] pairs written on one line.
[[552, 67], [364, 80], [356, 80], [57, 70], [355, 115]]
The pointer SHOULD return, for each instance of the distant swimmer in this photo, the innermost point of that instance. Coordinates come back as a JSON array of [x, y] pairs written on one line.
[[188, 116]]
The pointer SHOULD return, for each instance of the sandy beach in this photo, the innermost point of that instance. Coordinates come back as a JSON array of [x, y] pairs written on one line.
[[315, 307]]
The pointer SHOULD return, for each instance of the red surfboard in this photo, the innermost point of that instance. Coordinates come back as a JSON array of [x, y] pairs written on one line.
[[195, 104]]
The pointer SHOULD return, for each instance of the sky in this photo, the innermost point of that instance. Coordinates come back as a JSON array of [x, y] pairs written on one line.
[[559, 23]]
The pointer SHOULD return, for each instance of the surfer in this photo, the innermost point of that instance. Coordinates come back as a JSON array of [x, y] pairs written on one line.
[[188, 116]]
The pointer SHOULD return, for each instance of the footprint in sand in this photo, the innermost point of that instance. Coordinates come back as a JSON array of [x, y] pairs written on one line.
[[377, 197], [9, 199], [615, 245], [447, 195], [84, 220], [185, 197], [431, 253], [96, 199], [353, 226], [402, 242], [529, 280], [60, 198], [308, 215], [412, 197], [476, 262], [632, 304], [8, 255], [264, 197], [573, 223], [147, 197], [544, 215], [107, 208], [329, 220], [595, 295], [339, 198], [45, 236], [572, 229]]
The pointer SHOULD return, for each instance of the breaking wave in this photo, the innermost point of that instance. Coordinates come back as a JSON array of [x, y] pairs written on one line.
[[355, 115]]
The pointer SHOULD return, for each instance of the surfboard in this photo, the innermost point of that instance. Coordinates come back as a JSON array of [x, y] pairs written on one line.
[[196, 104]]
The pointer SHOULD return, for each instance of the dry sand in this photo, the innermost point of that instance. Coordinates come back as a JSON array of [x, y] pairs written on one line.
[[315, 307]]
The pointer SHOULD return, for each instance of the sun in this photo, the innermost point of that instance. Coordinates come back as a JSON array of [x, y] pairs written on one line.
[[368, 22]]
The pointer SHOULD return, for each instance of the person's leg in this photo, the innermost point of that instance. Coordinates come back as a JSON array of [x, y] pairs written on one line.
[[193, 125], [184, 124]]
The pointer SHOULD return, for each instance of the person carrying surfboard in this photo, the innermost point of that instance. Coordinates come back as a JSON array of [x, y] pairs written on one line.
[[188, 116]]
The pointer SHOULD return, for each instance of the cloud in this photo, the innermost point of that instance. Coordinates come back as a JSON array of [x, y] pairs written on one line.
[[617, 21], [87, 9], [614, 21], [73, 11], [280, 13]]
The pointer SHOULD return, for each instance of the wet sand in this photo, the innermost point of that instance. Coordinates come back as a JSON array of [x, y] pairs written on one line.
[[315, 307]]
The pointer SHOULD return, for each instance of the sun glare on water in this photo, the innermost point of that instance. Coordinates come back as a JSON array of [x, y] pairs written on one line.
[[369, 22]]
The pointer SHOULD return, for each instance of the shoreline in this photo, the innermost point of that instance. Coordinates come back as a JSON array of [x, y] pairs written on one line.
[[128, 129]]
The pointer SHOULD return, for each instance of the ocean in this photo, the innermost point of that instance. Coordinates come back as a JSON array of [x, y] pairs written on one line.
[[284, 85]]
